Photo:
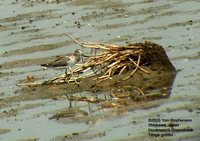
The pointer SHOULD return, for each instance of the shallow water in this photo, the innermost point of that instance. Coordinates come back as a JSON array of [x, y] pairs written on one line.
[[32, 32]]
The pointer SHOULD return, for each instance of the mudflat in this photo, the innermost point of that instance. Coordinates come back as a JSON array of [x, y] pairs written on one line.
[[33, 32]]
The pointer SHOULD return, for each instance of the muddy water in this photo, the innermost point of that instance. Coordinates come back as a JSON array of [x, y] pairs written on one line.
[[33, 32]]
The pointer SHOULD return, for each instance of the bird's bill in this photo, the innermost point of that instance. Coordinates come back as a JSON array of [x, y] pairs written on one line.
[[79, 51]]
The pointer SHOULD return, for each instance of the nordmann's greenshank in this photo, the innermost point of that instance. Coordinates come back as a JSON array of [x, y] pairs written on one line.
[[65, 62]]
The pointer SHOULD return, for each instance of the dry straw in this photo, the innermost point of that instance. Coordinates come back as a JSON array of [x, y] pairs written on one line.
[[104, 61], [107, 60]]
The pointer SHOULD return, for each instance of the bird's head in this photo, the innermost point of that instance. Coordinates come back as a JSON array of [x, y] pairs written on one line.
[[78, 52]]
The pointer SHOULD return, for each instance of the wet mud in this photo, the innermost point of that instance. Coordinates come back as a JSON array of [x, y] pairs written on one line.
[[33, 32]]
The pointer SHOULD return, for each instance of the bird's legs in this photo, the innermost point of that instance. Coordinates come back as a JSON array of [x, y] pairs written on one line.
[[66, 72], [71, 74]]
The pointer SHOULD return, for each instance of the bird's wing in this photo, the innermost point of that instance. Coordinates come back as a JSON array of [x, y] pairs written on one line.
[[61, 58], [59, 62]]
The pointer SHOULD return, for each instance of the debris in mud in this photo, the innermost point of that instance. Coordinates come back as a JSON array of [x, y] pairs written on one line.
[[30, 78]]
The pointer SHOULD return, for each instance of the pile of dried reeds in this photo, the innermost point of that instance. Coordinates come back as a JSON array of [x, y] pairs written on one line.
[[103, 62], [106, 60]]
